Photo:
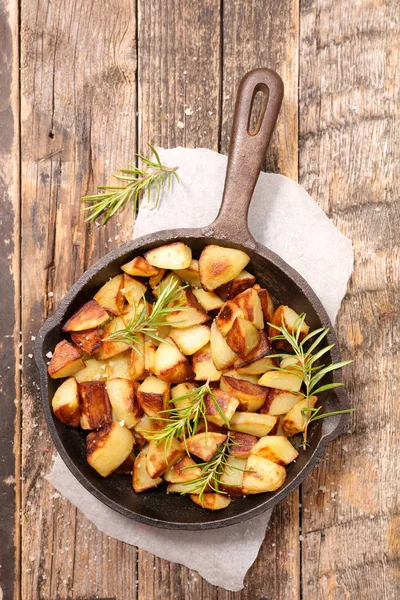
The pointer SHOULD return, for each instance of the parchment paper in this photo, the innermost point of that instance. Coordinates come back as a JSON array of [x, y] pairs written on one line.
[[284, 218]]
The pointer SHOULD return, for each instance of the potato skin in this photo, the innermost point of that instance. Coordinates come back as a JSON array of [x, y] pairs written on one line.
[[95, 405], [88, 340]]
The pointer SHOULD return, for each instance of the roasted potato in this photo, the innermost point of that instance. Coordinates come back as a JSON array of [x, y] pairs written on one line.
[[93, 370], [243, 337], [294, 422], [150, 349], [204, 445], [285, 314], [108, 346], [266, 304], [65, 403], [232, 476], [242, 444], [203, 365], [280, 380], [279, 402], [227, 315], [251, 396], [110, 296], [175, 256], [191, 312], [161, 456], [89, 316], [95, 405], [139, 267], [118, 366], [137, 364], [208, 300], [147, 426], [183, 471], [66, 361], [276, 448], [218, 265], [252, 423], [223, 356], [191, 339], [141, 480], [262, 475], [133, 290], [170, 364], [227, 405], [250, 305], [122, 394], [88, 341], [153, 396], [242, 282], [108, 448], [211, 500], [191, 274]]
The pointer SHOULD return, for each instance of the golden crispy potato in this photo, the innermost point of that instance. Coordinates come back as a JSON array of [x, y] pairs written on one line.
[[133, 290], [118, 366], [66, 361], [204, 445], [147, 426], [122, 394], [110, 296], [150, 349], [243, 337], [251, 396], [203, 365], [286, 315], [191, 274], [208, 300], [95, 405], [218, 265], [191, 339], [65, 403], [190, 313], [182, 471], [212, 501], [170, 364], [227, 315], [162, 456], [237, 375], [242, 444], [294, 422], [109, 347], [137, 366], [252, 423], [242, 282], [155, 279], [141, 480], [276, 448], [262, 475], [279, 402], [94, 370], [153, 396], [89, 316], [250, 305], [108, 448], [139, 267], [169, 279], [232, 476], [280, 380], [173, 256], [267, 305], [226, 402], [261, 351], [223, 356], [88, 341]]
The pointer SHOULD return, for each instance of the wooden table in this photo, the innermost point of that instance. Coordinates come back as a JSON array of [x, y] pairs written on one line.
[[83, 86]]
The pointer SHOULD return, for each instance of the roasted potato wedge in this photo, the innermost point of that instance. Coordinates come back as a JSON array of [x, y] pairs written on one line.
[[236, 375], [122, 394], [243, 337], [93, 370], [252, 423], [211, 500], [89, 316], [294, 422], [227, 315], [242, 282], [153, 396], [139, 267], [66, 361], [133, 290], [170, 364], [279, 402], [191, 274], [242, 444], [223, 356], [88, 341], [276, 448], [262, 475], [204, 445], [203, 365], [182, 471], [175, 256], [108, 448], [95, 405], [108, 346], [110, 297], [280, 380], [250, 305], [137, 364], [232, 476], [191, 339], [260, 351], [150, 349], [161, 456], [155, 279], [208, 300], [191, 312], [147, 426], [251, 396], [141, 480], [118, 366], [227, 404], [285, 314], [65, 403], [169, 279], [267, 305], [218, 265]]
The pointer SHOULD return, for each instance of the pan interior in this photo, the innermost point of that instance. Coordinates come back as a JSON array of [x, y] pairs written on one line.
[[155, 506]]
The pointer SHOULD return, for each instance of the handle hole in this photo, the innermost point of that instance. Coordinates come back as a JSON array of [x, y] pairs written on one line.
[[259, 104]]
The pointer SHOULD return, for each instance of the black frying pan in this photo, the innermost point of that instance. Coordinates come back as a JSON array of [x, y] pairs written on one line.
[[246, 153]]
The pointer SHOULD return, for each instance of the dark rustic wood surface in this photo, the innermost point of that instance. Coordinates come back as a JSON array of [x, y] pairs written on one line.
[[83, 86]]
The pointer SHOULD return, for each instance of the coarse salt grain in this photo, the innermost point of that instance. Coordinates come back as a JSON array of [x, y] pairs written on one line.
[[49, 354]]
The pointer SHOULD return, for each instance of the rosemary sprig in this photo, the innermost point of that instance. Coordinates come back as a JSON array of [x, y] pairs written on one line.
[[310, 372], [148, 324], [184, 421], [135, 180]]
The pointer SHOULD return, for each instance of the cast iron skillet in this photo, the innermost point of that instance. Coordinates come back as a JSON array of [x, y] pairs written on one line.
[[246, 153]]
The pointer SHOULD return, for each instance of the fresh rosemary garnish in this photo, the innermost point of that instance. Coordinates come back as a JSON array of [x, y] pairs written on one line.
[[306, 367], [135, 180], [183, 421], [148, 324]]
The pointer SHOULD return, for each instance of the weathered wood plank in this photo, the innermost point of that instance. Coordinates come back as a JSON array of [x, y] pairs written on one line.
[[349, 157], [9, 305], [257, 34], [78, 125]]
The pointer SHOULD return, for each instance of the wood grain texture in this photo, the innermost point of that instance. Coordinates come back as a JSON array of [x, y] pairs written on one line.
[[349, 162], [78, 117], [10, 422]]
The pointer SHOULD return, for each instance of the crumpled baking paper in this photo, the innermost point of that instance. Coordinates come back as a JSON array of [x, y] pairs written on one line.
[[284, 218]]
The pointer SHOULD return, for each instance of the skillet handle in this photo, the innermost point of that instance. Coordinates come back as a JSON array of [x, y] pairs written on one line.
[[247, 151]]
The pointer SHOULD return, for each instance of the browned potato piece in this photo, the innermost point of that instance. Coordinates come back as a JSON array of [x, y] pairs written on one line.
[[218, 265], [88, 341], [65, 403], [153, 396], [259, 352], [257, 367], [252, 423], [232, 476], [212, 501], [155, 279], [182, 389], [223, 291], [243, 443], [183, 471], [150, 356], [108, 448], [94, 370], [169, 279], [109, 347], [243, 281], [170, 364], [243, 337], [133, 312], [203, 365], [223, 356], [237, 375], [208, 300], [227, 315], [291, 363], [95, 405], [173, 256], [294, 422], [191, 274], [227, 403], [133, 290], [204, 445], [139, 267], [191, 339], [118, 366], [250, 304], [279, 402], [251, 396], [137, 366], [160, 456], [110, 297], [89, 316], [266, 304], [147, 426], [280, 380], [141, 480], [193, 313], [66, 361], [276, 448], [124, 403], [286, 315], [262, 475]]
